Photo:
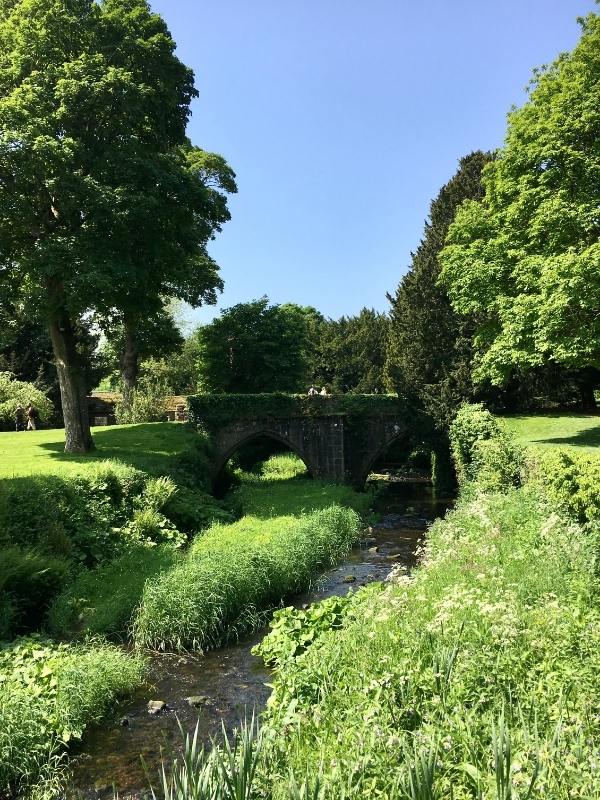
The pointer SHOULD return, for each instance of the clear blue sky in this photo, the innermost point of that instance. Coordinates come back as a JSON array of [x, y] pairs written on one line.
[[342, 119]]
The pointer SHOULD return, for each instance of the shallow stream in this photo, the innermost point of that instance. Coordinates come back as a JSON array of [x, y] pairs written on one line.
[[229, 683]]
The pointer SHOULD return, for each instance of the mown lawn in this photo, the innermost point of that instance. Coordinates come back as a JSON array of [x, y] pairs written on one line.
[[151, 447], [581, 431]]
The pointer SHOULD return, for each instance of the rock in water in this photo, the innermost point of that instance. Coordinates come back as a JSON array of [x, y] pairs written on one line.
[[197, 700], [156, 706]]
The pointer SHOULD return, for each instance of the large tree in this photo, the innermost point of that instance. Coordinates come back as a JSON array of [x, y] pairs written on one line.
[[430, 346], [527, 255], [93, 111], [256, 347]]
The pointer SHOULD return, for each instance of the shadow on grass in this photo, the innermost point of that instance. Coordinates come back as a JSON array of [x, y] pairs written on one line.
[[152, 447], [585, 438]]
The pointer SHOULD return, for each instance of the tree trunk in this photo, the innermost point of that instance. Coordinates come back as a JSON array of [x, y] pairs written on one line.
[[78, 437], [129, 361], [588, 400], [588, 381]]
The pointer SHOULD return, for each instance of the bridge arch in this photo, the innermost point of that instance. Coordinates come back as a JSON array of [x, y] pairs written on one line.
[[373, 452], [229, 442]]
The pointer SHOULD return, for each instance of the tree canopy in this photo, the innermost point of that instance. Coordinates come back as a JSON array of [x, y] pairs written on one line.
[[105, 204], [527, 255], [349, 353], [256, 347]]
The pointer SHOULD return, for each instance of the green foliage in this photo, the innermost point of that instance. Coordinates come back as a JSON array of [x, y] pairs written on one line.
[[294, 630], [282, 467], [430, 346], [227, 772], [192, 510], [527, 256], [255, 347], [210, 411], [348, 354], [74, 516], [103, 600], [473, 423], [102, 128], [231, 573], [457, 680], [28, 581], [146, 403], [49, 694], [498, 463], [14, 393], [569, 480]]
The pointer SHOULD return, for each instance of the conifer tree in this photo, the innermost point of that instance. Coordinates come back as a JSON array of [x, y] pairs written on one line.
[[430, 346]]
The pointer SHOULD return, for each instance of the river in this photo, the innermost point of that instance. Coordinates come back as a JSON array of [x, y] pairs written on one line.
[[230, 683]]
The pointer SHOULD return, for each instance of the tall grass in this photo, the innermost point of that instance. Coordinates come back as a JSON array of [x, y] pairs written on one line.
[[233, 572]]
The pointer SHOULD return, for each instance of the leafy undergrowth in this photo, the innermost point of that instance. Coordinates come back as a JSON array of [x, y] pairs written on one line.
[[477, 678], [49, 694], [55, 528]]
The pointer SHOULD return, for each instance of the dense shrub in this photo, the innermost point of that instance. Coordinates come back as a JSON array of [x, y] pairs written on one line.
[[147, 403], [192, 510], [570, 480], [231, 573], [473, 423], [14, 393], [49, 694], [76, 516]]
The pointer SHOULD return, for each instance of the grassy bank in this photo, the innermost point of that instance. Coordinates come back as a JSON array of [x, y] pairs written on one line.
[[152, 447], [292, 529], [480, 672], [477, 677]]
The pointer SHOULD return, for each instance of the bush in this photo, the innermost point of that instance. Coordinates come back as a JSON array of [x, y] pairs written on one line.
[[473, 423], [75, 516], [102, 601], [232, 573], [14, 393], [569, 480], [147, 403], [497, 463], [192, 510], [49, 694]]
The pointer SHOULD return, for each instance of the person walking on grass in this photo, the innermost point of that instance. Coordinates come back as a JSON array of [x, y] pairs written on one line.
[[31, 417], [19, 418]]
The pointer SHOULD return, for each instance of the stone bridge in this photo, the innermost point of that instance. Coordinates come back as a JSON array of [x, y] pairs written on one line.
[[338, 439]]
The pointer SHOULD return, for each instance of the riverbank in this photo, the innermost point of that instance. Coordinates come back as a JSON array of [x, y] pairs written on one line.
[[125, 520], [475, 677]]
